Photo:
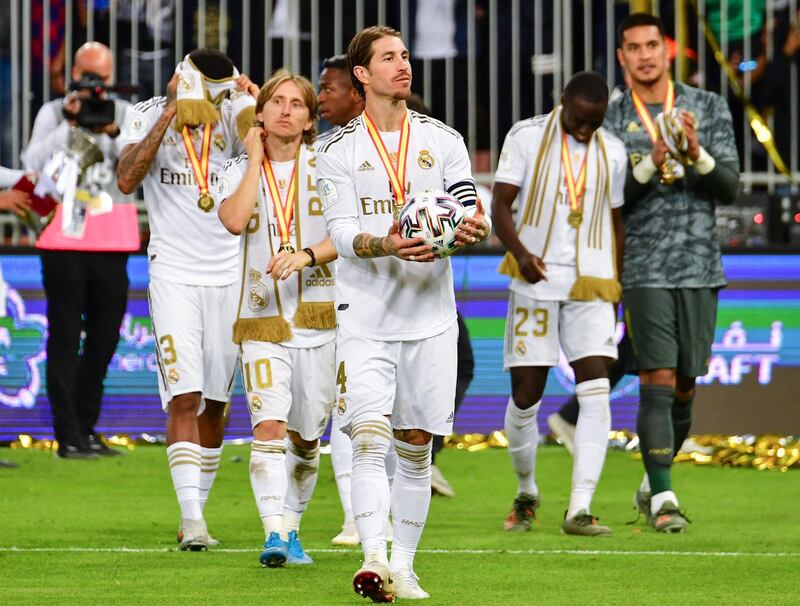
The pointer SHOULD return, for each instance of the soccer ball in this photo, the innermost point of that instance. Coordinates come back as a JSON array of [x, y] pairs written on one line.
[[432, 215]]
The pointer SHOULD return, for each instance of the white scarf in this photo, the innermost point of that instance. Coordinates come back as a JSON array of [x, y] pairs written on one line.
[[595, 259], [261, 316]]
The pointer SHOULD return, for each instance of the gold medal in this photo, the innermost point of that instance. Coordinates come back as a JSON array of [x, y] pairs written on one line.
[[575, 187], [200, 165], [397, 177], [284, 209], [668, 175], [205, 203]]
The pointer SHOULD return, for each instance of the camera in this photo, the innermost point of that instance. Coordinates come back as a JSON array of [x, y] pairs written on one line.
[[97, 110]]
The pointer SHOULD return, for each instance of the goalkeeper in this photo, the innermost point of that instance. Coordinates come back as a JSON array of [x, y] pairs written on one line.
[[683, 161]]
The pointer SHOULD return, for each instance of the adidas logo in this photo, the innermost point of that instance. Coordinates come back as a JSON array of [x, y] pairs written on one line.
[[365, 165], [321, 277], [450, 418], [610, 341]]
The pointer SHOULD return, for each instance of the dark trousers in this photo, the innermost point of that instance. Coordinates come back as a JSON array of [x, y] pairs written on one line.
[[85, 291], [465, 371]]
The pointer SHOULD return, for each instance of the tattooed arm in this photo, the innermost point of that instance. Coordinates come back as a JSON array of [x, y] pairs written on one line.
[[136, 158], [393, 244]]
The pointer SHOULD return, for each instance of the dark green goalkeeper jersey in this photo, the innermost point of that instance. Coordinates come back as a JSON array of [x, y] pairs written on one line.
[[670, 230]]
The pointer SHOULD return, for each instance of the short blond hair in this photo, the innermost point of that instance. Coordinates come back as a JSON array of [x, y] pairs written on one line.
[[307, 92]]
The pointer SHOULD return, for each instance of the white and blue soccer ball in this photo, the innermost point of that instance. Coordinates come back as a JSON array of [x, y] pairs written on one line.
[[432, 215]]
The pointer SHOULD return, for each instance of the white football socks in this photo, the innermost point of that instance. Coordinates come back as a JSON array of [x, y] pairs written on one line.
[[342, 462], [209, 464], [269, 480], [522, 431], [411, 498], [371, 437], [659, 499], [645, 484], [302, 468], [184, 467], [591, 442]]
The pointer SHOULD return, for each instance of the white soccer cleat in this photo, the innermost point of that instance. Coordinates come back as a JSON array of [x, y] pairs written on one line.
[[439, 483], [373, 581], [348, 536], [406, 585], [195, 535], [212, 542], [564, 432]]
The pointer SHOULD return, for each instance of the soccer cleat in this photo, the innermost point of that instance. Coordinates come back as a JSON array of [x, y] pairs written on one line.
[[563, 431], [584, 524], [212, 542], [406, 585], [669, 519], [195, 535], [348, 536], [276, 551], [439, 484], [373, 581], [522, 513], [641, 501], [296, 553]]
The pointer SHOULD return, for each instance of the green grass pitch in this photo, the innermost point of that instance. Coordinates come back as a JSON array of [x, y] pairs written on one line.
[[64, 526]]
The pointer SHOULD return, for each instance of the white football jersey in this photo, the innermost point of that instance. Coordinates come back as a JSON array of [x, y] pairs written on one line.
[[229, 179], [187, 244], [388, 299], [515, 167]]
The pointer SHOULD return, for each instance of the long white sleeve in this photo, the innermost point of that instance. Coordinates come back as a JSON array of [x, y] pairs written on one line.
[[48, 136], [338, 204]]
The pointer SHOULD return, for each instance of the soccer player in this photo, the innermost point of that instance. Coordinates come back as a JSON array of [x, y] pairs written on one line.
[[683, 157], [397, 332], [285, 323], [568, 175], [193, 265]]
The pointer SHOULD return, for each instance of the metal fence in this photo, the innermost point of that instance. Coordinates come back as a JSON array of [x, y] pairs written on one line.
[[479, 65]]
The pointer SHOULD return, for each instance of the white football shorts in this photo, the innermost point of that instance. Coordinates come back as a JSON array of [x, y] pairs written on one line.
[[291, 384], [413, 382], [193, 329], [535, 328]]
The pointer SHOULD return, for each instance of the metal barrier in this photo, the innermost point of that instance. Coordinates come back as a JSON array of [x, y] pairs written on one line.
[[505, 59]]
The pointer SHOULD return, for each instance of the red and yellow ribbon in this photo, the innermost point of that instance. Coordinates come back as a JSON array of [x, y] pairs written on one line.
[[284, 208], [644, 114], [575, 188], [396, 177], [199, 165]]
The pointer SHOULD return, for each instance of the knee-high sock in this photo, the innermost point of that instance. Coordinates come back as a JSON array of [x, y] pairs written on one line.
[[342, 462], [371, 437], [302, 468], [210, 458], [681, 420], [522, 430], [411, 498], [656, 437], [591, 442], [268, 479], [184, 467]]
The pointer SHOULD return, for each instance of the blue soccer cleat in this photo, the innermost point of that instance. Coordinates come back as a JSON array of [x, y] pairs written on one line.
[[296, 553], [275, 552]]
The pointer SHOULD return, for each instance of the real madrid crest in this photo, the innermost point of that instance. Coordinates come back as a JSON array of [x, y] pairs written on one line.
[[425, 160], [219, 142], [258, 296], [173, 376], [342, 407], [255, 403], [520, 348], [185, 82]]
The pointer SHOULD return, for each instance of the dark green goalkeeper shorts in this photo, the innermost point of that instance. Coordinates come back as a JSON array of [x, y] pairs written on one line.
[[671, 328]]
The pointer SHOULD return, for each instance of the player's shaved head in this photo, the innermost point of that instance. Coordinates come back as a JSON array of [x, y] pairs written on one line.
[[584, 104], [590, 86], [95, 58]]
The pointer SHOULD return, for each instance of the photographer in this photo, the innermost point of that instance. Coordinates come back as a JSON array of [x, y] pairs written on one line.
[[84, 271]]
